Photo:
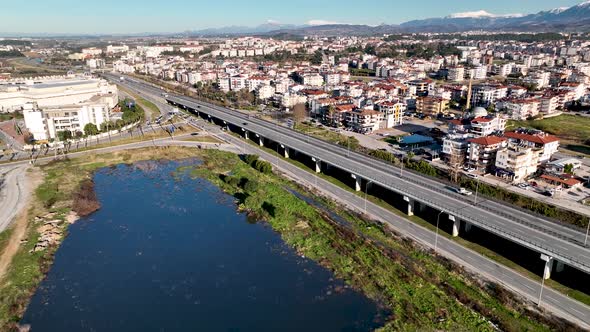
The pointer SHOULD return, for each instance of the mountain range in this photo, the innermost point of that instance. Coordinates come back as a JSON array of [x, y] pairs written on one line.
[[571, 19]]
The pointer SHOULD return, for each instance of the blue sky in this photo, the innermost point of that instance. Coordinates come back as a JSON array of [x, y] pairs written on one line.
[[132, 16]]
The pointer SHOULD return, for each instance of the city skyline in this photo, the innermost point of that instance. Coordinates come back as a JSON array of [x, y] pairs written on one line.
[[130, 17]]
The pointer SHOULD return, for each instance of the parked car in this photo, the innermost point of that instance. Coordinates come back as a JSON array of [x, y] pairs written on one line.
[[473, 176]]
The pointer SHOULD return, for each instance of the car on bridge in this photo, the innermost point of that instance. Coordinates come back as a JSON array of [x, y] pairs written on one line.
[[463, 191]]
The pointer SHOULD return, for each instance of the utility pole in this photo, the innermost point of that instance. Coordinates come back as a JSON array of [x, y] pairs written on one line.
[[436, 236]]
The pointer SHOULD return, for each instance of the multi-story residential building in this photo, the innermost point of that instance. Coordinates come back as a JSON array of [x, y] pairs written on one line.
[[237, 83], [44, 124], [112, 49], [455, 148], [520, 109], [363, 120], [265, 91], [481, 152], [313, 79], [456, 74], [488, 125], [432, 106], [548, 103], [486, 94], [516, 162], [539, 78], [544, 144], [478, 73], [502, 70], [392, 113]]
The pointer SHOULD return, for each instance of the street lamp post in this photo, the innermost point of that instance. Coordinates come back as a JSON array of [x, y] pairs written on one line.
[[476, 190], [587, 230], [366, 190], [436, 236]]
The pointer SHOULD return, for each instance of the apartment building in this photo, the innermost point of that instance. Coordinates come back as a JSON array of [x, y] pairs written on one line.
[[363, 120], [454, 148], [481, 152], [543, 144], [521, 108], [516, 162], [432, 106], [392, 113], [456, 74], [486, 94], [44, 124]]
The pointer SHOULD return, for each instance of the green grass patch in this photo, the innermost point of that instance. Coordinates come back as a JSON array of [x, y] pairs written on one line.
[[567, 127]]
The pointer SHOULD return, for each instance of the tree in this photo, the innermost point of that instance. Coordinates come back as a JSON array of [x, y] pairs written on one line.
[[456, 161], [299, 113], [64, 135], [90, 129], [568, 168]]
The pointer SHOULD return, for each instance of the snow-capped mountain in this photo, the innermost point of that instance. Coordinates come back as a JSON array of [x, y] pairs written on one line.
[[575, 18]]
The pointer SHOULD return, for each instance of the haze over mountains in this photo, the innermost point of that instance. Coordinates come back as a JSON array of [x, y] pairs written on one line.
[[575, 18]]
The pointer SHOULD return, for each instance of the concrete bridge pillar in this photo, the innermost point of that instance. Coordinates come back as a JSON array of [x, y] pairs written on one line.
[[318, 165], [467, 227], [559, 266], [357, 182], [260, 140], [548, 266], [286, 149], [410, 205], [456, 225], [245, 133]]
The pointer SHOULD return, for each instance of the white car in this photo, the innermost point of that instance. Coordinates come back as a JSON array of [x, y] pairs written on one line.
[[473, 176], [464, 191]]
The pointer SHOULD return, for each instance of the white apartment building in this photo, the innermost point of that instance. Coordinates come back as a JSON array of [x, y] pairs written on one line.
[[483, 94], [237, 83], [539, 78], [488, 125], [516, 162], [392, 113], [502, 70], [313, 80], [112, 49], [456, 74], [478, 73], [364, 120], [520, 109], [44, 124], [265, 91], [93, 51], [544, 144], [53, 91]]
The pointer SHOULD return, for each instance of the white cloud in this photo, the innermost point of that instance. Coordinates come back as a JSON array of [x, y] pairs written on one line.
[[322, 22], [275, 22]]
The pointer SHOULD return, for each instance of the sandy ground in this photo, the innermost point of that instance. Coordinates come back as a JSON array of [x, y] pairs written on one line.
[[21, 223]]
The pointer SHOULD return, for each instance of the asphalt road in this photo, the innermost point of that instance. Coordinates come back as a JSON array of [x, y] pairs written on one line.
[[12, 193]]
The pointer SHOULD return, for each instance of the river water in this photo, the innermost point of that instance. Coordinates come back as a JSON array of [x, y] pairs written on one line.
[[170, 253]]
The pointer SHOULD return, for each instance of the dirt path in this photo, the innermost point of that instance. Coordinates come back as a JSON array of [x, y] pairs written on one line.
[[33, 179]]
